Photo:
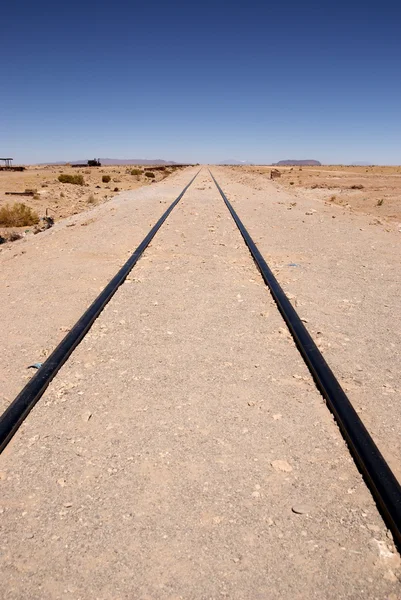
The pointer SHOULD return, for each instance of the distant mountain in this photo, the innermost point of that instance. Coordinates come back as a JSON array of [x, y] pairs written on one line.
[[129, 161], [118, 161], [298, 163], [233, 161]]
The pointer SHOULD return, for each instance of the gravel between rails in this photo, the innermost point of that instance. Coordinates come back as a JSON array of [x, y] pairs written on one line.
[[48, 280], [183, 450]]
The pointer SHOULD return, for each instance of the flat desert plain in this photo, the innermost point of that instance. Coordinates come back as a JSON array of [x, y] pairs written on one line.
[[183, 451]]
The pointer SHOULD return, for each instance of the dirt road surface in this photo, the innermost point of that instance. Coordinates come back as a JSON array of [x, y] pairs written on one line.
[[183, 451]]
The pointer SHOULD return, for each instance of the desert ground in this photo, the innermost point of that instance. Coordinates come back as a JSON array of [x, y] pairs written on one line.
[[372, 190], [183, 450], [62, 200]]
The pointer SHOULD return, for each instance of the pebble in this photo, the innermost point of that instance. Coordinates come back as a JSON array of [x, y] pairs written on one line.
[[281, 465], [301, 509]]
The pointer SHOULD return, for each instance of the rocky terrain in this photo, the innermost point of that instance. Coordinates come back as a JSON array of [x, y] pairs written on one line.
[[374, 190], [60, 200]]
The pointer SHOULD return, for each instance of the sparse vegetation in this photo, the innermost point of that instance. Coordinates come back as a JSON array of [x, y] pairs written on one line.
[[116, 189], [291, 183], [380, 202], [13, 236], [75, 179], [136, 172], [149, 174], [17, 215], [91, 199], [106, 178], [332, 198], [356, 186]]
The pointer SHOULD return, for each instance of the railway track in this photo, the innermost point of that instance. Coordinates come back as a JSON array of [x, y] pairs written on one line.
[[378, 476]]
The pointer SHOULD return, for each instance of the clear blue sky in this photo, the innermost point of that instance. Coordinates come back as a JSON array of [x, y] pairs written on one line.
[[201, 82]]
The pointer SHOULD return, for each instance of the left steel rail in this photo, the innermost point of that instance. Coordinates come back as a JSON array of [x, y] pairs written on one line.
[[20, 408]]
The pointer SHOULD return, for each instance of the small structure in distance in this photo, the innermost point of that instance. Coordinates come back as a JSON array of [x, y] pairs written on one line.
[[91, 163], [8, 166]]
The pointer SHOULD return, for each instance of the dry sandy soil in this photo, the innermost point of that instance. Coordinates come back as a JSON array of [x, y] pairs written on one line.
[[183, 451], [65, 199], [373, 190]]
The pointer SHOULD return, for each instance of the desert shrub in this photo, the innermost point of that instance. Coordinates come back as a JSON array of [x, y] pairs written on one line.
[[356, 186], [106, 178], [91, 199], [75, 179], [62, 195], [149, 174], [291, 182], [380, 202], [136, 172], [13, 236], [17, 215], [116, 189]]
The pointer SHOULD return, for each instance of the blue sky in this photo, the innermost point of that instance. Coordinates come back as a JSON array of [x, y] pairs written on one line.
[[204, 82]]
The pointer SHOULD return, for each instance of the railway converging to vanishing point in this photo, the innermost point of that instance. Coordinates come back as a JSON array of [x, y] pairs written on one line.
[[376, 472]]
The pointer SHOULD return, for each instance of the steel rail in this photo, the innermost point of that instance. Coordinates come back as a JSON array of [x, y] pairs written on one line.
[[19, 409], [380, 479]]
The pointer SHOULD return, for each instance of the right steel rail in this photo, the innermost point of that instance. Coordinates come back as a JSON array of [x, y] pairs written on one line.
[[19, 409], [380, 479]]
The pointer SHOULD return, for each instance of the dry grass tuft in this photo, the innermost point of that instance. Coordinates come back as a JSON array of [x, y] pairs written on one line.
[[106, 178], [17, 215], [75, 179]]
